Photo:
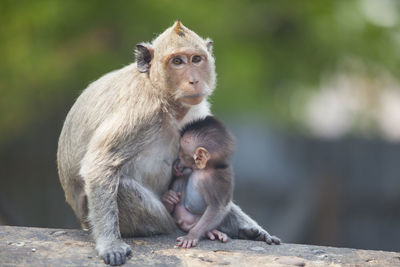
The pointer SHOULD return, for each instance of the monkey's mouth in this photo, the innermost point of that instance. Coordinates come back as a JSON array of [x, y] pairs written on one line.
[[195, 95]]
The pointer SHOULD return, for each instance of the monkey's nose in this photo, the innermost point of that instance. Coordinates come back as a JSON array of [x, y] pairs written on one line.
[[193, 82]]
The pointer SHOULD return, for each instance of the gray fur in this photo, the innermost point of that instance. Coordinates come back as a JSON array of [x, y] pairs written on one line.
[[116, 150], [103, 138], [239, 225]]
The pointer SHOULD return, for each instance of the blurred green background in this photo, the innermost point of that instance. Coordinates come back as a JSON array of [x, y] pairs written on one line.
[[317, 81]]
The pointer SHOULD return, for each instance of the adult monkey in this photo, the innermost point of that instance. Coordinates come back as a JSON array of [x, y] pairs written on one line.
[[120, 138]]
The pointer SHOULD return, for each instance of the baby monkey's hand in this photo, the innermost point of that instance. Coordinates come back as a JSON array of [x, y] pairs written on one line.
[[170, 199]]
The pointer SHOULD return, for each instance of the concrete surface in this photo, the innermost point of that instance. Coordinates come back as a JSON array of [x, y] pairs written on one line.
[[24, 246]]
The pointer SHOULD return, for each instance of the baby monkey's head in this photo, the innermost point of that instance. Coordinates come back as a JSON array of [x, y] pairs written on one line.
[[205, 143]]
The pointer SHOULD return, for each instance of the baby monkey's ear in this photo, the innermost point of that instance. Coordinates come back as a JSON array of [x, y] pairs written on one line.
[[201, 156]]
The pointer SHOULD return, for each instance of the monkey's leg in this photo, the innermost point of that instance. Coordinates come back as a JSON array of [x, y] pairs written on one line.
[[103, 214], [239, 225], [141, 212]]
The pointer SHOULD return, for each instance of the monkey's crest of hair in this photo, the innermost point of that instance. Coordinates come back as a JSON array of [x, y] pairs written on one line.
[[177, 36], [211, 134], [178, 28]]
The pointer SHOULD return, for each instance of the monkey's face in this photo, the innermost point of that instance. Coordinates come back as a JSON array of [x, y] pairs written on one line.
[[189, 75], [185, 153], [180, 64]]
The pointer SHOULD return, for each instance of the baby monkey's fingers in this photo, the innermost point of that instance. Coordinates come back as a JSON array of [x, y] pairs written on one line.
[[210, 236], [173, 196]]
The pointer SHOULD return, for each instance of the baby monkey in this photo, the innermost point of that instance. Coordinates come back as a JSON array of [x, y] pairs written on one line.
[[201, 193]]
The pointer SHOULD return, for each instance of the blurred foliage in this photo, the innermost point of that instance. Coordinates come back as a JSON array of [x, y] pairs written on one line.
[[270, 54]]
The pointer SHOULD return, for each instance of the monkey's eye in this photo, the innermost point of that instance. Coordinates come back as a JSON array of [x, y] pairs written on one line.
[[196, 59], [177, 61]]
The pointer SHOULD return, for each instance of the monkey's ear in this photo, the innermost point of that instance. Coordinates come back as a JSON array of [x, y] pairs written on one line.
[[201, 156], [144, 55], [209, 44]]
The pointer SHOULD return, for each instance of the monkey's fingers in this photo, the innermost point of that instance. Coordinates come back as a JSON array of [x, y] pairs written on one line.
[[220, 235], [210, 236], [167, 201], [177, 195], [116, 253], [173, 199], [264, 236], [171, 195], [182, 243], [167, 194], [115, 258], [186, 242], [224, 239], [275, 240], [179, 240], [191, 243]]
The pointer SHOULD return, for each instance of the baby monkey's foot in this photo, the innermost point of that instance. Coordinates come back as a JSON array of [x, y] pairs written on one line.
[[217, 234]]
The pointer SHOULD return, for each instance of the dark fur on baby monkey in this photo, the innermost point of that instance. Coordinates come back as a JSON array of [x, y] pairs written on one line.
[[200, 196]]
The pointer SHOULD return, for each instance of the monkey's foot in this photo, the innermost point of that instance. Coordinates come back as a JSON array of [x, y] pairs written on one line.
[[115, 253], [217, 234], [259, 234], [187, 241]]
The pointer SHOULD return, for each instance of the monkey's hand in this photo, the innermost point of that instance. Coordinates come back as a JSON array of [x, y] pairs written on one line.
[[187, 241], [259, 234], [170, 199], [217, 234], [114, 253]]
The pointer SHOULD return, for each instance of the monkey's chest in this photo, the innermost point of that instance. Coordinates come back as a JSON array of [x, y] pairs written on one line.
[[194, 201], [153, 166]]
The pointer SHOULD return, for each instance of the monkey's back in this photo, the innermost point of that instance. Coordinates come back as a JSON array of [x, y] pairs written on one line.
[[117, 92]]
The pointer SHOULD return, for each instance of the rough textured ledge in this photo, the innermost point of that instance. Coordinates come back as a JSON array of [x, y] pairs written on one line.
[[22, 246]]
